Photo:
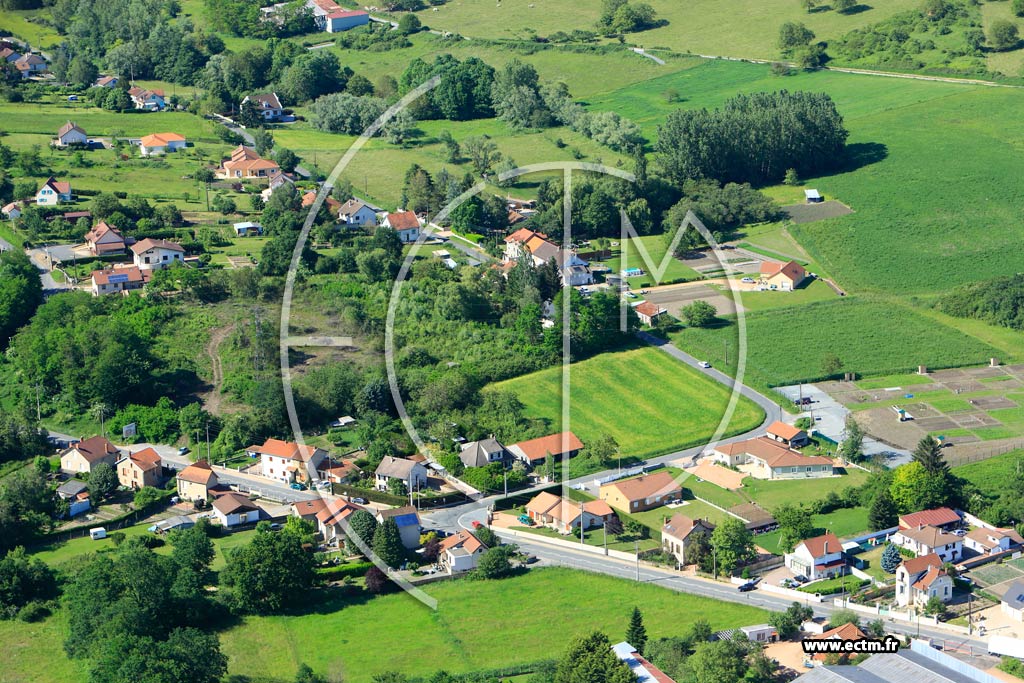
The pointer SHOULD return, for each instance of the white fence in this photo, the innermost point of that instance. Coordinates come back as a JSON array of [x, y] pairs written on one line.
[[789, 593], [569, 545], [898, 615]]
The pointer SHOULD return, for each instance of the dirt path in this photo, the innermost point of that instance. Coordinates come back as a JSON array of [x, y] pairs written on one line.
[[213, 398]]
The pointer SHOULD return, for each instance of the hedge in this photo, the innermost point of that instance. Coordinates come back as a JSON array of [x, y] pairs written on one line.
[[353, 570], [369, 494]]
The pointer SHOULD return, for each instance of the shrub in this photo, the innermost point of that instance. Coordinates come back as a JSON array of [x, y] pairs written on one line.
[[34, 611]]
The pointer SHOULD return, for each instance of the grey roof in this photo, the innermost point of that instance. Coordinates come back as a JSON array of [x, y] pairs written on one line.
[[477, 453], [1014, 596], [839, 674], [397, 468], [905, 665], [71, 488]]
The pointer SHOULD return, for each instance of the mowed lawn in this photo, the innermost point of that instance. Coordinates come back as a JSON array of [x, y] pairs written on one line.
[[477, 625], [649, 402], [870, 337], [844, 523], [994, 474]]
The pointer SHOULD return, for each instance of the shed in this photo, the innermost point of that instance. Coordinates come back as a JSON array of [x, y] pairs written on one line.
[[813, 196]]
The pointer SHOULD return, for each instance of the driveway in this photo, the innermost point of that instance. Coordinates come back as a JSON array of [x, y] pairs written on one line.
[[41, 259]]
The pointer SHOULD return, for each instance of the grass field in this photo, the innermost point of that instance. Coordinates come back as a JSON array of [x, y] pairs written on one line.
[[843, 523], [595, 538], [870, 337], [611, 394], [656, 247], [993, 474]]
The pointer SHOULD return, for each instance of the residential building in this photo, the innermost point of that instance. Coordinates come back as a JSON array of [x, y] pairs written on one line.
[[161, 143], [460, 552], [82, 456], [573, 270], [329, 520], [412, 474], [176, 523], [53, 192], [405, 223], [105, 239], [309, 198], [765, 458], [1012, 604], [118, 279], [71, 134], [923, 540], [148, 100], [644, 671], [408, 522], [845, 632], [12, 210], [246, 163], [484, 452], [648, 312], [30, 65], [991, 541], [337, 472], [136, 470], [247, 228], [331, 18], [196, 481], [788, 434], [536, 451], [308, 509], [76, 493], [234, 509], [922, 663], [783, 277], [275, 181], [564, 515], [9, 54], [106, 82], [816, 558], [267, 104], [356, 214], [151, 254], [641, 493], [943, 518], [680, 533], [287, 461], [921, 578]]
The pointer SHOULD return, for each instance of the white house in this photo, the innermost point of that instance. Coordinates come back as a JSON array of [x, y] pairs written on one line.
[[405, 223], [460, 552], [287, 461], [233, 509], [408, 522], [53, 192], [992, 541], [118, 279], [564, 515], [920, 579], [329, 517], [816, 558], [149, 100], [71, 134], [267, 104], [924, 540], [355, 213], [247, 228], [150, 254], [1012, 603], [76, 493], [482, 453], [106, 82], [765, 458], [161, 143], [413, 474]]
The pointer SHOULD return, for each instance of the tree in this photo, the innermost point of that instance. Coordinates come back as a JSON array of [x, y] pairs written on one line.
[[409, 24], [795, 523], [387, 544], [636, 634], [82, 72], [23, 580], [286, 159], [1003, 35], [852, 446], [494, 563], [21, 292], [146, 496], [187, 654], [399, 127], [1018, 7], [224, 204], [788, 623], [830, 364], [589, 659], [717, 662], [363, 526], [929, 453], [192, 548], [841, 617], [844, 6], [264, 574], [732, 543], [482, 152], [376, 580], [306, 675], [793, 35], [102, 481], [883, 513], [262, 141], [699, 314], [792, 177], [891, 558]]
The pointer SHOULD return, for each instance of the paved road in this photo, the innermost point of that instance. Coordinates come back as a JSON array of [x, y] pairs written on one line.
[[41, 260]]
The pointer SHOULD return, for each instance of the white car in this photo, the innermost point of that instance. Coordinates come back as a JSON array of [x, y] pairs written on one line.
[[704, 364], [748, 280]]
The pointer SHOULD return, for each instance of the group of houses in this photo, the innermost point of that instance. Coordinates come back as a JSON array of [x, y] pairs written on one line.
[[573, 270], [134, 469], [327, 15], [28, 64], [147, 255]]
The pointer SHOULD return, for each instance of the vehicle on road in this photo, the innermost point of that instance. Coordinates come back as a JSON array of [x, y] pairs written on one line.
[[183, 450], [748, 280], [360, 501], [631, 295], [747, 587], [704, 364], [530, 559], [298, 487]]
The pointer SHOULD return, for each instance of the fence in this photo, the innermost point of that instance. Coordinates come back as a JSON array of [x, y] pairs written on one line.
[[957, 459], [569, 545], [790, 593]]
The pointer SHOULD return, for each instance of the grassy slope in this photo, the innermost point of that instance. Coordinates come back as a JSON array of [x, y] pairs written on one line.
[[991, 475], [613, 395]]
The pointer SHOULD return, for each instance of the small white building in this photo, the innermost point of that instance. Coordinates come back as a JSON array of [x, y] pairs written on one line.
[[356, 214], [1012, 604], [151, 254], [71, 134], [405, 223], [11, 211], [412, 474], [53, 192], [161, 143], [927, 539], [991, 541], [248, 229], [460, 552], [267, 104], [816, 558], [233, 509], [920, 579]]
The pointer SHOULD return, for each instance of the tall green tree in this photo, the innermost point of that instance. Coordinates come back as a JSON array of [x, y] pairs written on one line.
[[636, 634], [21, 292], [718, 662], [883, 513], [929, 453], [589, 659], [732, 543], [387, 544], [266, 574]]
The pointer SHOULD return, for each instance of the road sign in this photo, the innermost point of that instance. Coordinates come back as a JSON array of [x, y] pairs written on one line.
[[129, 429]]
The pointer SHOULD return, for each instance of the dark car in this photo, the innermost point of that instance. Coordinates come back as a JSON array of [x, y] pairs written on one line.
[[360, 501], [805, 401], [746, 587], [530, 559]]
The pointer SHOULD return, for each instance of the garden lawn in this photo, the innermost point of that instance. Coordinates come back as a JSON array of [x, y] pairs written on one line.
[[595, 538], [770, 494], [477, 625], [34, 653], [843, 523], [649, 402], [656, 247]]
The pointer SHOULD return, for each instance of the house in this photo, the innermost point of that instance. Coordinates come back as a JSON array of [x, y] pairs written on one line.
[[149, 100], [106, 82], [784, 277], [329, 520], [104, 239], [482, 453], [355, 213], [76, 493], [573, 271], [921, 663], [308, 509], [535, 451], [267, 104], [1012, 604], [161, 143], [233, 509], [813, 196], [118, 279], [788, 434], [246, 163], [564, 515], [12, 210], [991, 541], [648, 312], [73, 216], [460, 552], [53, 192], [287, 461], [408, 522], [83, 455], [641, 493], [136, 470], [412, 474], [9, 55], [275, 181], [176, 523], [151, 254], [71, 134], [765, 458], [329, 17], [196, 480], [943, 518], [247, 228], [405, 223], [30, 65], [816, 558], [680, 532], [926, 539], [921, 578], [332, 204], [515, 244], [845, 632], [337, 472], [644, 671]]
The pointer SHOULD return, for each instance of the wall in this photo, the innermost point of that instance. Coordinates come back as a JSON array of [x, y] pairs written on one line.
[[594, 550], [789, 593]]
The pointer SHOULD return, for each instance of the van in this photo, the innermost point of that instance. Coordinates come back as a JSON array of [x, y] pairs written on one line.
[[97, 533]]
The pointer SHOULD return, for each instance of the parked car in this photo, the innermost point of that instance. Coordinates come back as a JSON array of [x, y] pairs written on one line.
[[359, 501], [704, 364], [631, 295], [298, 487], [748, 280], [800, 578], [183, 450], [276, 526], [530, 559], [802, 401], [747, 587]]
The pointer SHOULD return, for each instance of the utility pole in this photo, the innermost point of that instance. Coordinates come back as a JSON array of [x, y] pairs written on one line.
[[581, 522], [726, 352], [636, 550], [207, 442], [970, 615], [38, 416], [714, 555]]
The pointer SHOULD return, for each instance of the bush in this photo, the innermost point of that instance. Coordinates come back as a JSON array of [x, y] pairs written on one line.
[[34, 611], [342, 571], [117, 538]]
